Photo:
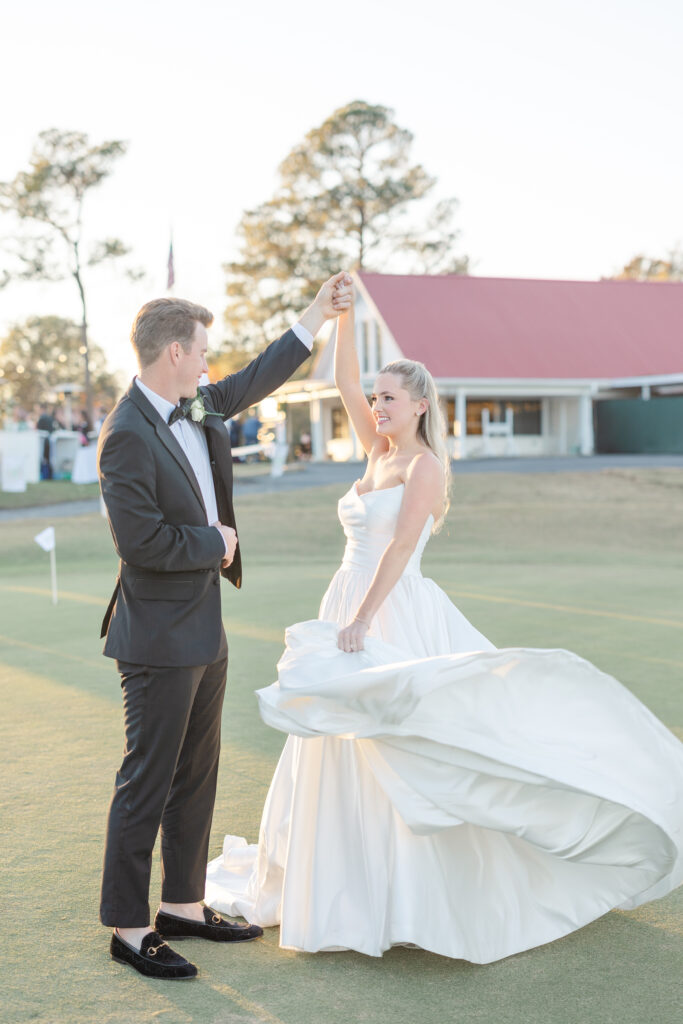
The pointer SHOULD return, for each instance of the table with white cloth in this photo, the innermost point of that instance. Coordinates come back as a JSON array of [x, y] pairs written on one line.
[[64, 445], [21, 447], [84, 469]]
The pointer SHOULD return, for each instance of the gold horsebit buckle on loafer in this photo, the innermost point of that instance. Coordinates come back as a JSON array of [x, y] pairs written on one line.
[[216, 919], [153, 950]]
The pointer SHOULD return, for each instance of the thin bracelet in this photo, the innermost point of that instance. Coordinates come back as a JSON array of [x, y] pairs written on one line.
[[364, 621]]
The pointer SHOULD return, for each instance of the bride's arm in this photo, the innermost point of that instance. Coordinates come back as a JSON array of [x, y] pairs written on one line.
[[347, 379], [423, 488]]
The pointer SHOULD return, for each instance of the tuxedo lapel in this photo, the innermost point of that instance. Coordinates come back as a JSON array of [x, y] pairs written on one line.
[[220, 455], [221, 464], [216, 435], [167, 438]]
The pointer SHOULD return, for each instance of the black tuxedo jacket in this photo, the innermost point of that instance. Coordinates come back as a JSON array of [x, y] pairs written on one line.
[[166, 607]]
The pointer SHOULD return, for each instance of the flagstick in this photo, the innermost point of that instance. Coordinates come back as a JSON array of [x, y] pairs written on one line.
[[53, 573], [170, 280]]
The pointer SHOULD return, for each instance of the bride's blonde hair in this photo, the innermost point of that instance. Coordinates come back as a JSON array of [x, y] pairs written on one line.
[[432, 428]]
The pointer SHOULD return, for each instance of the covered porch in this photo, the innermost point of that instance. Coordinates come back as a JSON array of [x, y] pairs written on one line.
[[484, 419]]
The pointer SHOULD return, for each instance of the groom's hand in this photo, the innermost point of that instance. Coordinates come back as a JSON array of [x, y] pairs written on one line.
[[230, 538], [335, 297]]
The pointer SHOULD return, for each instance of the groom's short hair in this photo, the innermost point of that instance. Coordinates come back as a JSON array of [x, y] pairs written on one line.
[[162, 321]]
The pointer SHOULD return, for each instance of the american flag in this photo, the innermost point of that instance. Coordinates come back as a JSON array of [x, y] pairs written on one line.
[[171, 273]]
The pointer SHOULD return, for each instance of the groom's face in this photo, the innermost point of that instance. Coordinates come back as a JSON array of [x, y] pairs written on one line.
[[192, 364]]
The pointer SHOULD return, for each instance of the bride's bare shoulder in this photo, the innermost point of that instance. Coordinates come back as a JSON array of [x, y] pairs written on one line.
[[425, 468], [426, 480]]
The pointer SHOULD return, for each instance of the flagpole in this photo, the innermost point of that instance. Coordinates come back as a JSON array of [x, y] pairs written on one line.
[[53, 574], [47, 541], [170, 268]]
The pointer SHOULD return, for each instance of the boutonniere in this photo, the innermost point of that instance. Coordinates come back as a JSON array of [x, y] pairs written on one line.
[[198, 411], [193, 408]]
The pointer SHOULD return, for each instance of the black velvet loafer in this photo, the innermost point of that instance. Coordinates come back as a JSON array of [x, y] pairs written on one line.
[[155, 959], [214, 927]]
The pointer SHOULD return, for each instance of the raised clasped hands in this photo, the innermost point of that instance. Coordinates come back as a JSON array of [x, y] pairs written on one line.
[[336, 295], [351, 637]]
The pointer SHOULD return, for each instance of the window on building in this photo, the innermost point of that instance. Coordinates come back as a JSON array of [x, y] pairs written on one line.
[[448, 407], [340, 423], [526, 418], [379, 362]]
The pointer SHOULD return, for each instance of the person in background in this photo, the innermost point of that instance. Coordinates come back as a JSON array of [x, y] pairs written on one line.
[[305, 450], [19, 419], [46, 420], [48, 424], [251, 428], [235, 428], [101, 417], [83, 428]]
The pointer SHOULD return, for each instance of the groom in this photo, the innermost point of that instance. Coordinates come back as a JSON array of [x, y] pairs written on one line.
[[165, 470]]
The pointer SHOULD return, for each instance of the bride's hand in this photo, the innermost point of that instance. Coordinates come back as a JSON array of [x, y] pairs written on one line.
[[351, 637], [335, 296]]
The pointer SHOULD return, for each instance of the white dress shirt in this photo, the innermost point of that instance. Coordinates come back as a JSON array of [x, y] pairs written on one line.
[[192, 439]]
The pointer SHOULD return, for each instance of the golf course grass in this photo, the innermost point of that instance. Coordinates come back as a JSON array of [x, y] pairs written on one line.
[[590, 562], [48, 492]]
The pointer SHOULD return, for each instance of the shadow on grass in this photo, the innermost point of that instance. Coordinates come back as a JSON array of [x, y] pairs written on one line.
[[613, 970]]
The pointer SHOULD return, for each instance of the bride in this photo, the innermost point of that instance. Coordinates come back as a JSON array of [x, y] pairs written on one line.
[[433, 790]]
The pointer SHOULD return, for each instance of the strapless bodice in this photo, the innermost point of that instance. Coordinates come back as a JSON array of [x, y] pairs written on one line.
[[369, 522]]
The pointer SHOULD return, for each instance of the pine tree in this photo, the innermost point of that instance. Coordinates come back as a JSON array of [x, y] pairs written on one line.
[[349, 196]]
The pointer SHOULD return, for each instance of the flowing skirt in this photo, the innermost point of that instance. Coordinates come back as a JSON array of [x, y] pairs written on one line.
[[437, 792]]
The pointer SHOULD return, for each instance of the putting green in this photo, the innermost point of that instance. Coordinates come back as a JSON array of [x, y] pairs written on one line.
[[592, 562]]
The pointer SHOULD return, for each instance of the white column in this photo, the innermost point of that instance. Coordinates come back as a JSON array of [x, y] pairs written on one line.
[[509, 437], [546, 444], [485, 420], [372, 346], [460, 424], [563, 445], [586, 439], [281, 431], [317, 436]]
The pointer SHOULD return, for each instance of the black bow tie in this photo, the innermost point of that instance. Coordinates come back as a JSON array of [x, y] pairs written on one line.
[[181, 412]]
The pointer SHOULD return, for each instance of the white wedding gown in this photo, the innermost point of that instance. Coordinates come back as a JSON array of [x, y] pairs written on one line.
[[473, 804]]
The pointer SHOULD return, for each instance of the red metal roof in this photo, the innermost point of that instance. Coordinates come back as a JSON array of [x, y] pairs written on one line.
[[513, 328]]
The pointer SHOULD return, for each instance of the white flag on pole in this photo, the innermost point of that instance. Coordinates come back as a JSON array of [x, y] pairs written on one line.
[[46, 539]]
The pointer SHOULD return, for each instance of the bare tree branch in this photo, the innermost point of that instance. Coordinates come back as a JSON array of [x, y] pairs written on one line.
[[47, 201]]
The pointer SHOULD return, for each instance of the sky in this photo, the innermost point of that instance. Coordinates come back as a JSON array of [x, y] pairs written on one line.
[[556, 123]]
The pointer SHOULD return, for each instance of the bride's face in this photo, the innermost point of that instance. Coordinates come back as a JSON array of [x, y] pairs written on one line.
[[394, 410]]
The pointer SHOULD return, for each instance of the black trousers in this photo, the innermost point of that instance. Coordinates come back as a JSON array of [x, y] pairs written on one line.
[[167, 780]]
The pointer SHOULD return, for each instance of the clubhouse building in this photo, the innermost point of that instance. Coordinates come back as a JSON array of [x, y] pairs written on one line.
[[523, 367]]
